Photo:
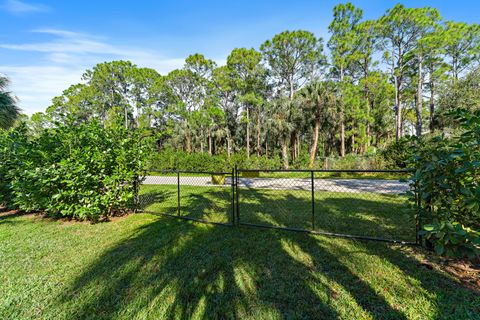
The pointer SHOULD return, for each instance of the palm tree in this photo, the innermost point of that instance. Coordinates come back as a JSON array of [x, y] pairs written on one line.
[[280, 124], [318, 96], [9, 111]]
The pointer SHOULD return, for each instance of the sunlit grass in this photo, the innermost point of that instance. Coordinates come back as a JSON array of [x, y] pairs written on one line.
[[151, 267]]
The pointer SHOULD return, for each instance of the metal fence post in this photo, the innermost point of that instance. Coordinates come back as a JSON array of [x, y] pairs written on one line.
[[233, 196], [178, 192], [418, 237], [237, 196], [313, 200]]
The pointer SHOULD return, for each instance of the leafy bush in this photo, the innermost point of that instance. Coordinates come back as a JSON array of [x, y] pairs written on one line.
[[169, 159], [354, 162], [82, 171], [452, 239], [447, 188], [398, 154]]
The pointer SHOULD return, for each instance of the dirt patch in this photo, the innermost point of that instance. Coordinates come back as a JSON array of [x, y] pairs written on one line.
[[4, 213], [466, 272]]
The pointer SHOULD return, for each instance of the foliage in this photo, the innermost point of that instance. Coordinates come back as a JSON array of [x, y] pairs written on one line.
[[9, 110], [452, 239], [82, 172], [169, 159], [464, 93], [399, 153], [447, 187], [281, 99]]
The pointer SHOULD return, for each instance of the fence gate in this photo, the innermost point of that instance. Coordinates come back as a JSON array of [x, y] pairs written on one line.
[[360, 204], [192, 195]]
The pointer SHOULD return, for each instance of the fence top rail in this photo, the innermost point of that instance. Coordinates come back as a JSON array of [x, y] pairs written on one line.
[[325, 170], [191, 171]]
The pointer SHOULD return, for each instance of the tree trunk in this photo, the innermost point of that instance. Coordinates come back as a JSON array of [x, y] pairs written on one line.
[[398, 104], [259, 140], [188, 143], [248, 134], [419, 99], [398, 114], [285, 153], [229, 145], [313, 149], [126, 118], [353, 143], [342, 136], [432, 106], [293, 145], [210, 146], [299, 145]]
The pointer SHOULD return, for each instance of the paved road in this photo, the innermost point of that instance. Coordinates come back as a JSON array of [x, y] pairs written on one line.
[[333, 185]]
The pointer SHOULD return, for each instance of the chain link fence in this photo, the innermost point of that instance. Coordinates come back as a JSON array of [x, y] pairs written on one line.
[[193, 195], [364, 204]]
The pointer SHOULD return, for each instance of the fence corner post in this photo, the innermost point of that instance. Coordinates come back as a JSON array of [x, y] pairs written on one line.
[[313, 200], [237, 206], [136, 197], [178, 192], [233, 197]]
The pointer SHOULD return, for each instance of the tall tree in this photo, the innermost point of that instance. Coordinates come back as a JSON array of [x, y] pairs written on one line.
[[248, 77], [426, 45], [9, 110], [189, 98], [226, 94], [462, 46], [318, 96], [342, 47], [293, 57], [280, 124], [400, 29]]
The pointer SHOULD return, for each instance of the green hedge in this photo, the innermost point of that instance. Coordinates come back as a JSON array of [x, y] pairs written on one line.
[[170, 159], [447, 182], [79, 171]]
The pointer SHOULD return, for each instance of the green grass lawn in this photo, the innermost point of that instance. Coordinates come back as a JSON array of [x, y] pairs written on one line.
[[146, 266]]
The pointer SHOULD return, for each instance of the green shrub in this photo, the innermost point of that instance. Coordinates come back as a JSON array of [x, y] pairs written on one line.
[[446, 184], [398, 154], [452, 239], [354, 162], [170, 159], [82, 171]]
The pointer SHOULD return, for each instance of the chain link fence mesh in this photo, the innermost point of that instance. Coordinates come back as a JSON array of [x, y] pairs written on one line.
[[369, 204]]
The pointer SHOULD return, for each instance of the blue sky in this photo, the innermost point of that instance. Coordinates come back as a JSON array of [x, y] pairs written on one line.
[[46, 45]]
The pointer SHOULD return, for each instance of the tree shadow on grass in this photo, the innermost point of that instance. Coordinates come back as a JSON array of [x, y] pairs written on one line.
[[341, 213], [158, 200], [177, 270]]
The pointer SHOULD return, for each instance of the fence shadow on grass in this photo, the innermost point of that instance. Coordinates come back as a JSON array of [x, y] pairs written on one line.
[[158, 200], [173, 269], [335, 213]]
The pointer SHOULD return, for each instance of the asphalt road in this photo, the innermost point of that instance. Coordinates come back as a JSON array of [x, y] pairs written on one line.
[[332, 185]]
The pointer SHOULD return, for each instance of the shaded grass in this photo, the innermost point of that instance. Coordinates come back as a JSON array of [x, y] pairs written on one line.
[[151, 267], [361, 214]]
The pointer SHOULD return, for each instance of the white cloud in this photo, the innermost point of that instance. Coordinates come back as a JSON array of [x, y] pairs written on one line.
[[63, 59], [35, 86], [17, 7]]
